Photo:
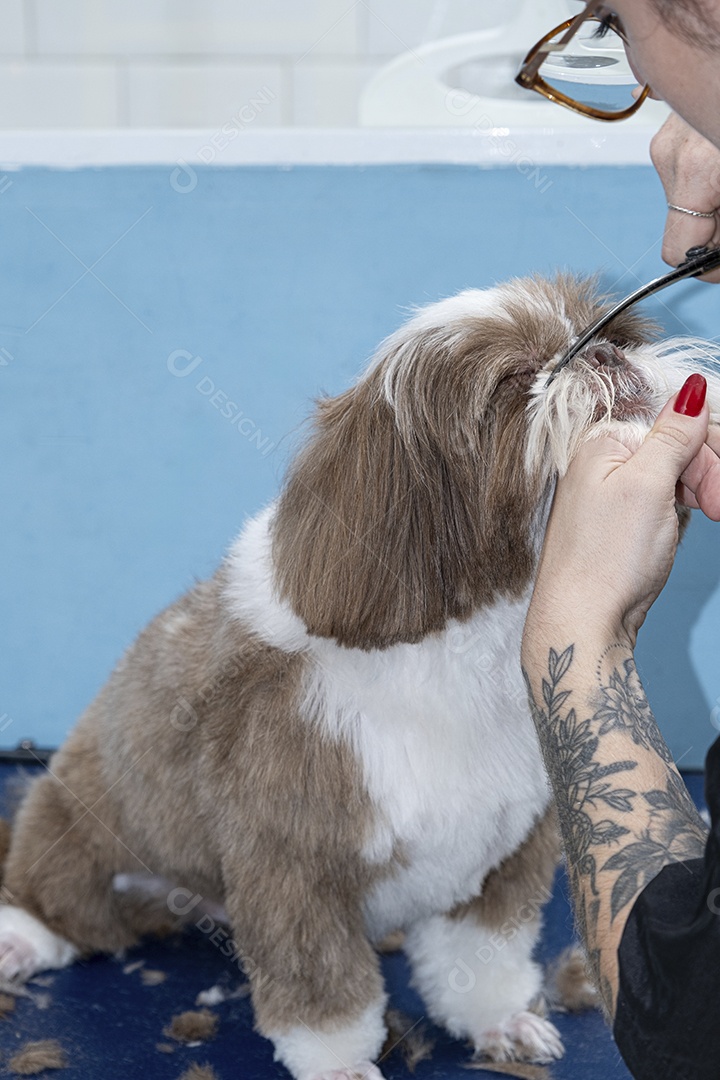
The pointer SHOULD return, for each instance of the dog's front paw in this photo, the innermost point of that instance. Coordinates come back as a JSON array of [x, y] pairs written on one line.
[[364, 1071], [523, 1037], [26, 946], [17, 957]]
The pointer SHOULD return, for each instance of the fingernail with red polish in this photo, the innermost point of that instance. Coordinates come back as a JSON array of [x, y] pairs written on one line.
[[691, 398]]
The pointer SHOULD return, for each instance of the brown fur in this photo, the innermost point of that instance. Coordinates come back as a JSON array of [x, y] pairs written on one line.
[[390, 549], [5, 837], [7, 1005], [151, 977], [189, 1027], [394, 521], [392, 942], [36, 1057], [199, 1072], [236, 750], [407, 1036], [570, 984]]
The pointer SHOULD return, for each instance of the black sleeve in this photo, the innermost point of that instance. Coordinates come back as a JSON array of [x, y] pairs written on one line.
[[667, 1024]]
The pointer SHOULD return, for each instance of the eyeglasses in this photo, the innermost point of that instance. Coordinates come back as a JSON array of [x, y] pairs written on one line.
[[592, 78]]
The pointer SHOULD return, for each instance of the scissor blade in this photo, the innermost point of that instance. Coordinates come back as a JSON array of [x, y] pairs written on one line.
[[698, 261]]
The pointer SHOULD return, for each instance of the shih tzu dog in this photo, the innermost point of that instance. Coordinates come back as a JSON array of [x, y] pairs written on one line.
[[331, 736]]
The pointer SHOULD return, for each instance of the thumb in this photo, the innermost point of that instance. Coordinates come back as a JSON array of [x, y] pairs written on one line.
[[678, 433]]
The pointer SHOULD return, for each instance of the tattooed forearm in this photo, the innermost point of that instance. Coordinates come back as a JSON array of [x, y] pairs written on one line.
[[624, 811]]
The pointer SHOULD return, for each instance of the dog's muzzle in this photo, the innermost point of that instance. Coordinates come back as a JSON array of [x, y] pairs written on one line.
[[603, 355], [630, 391]]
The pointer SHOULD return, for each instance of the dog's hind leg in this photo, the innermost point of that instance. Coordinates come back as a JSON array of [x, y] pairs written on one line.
[[57, 894], [474, 966]]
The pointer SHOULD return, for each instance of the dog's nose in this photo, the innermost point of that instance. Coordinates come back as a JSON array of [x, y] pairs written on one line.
[[604, 354]]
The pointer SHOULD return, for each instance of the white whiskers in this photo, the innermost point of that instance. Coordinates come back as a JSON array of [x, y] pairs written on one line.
[[584, 402]]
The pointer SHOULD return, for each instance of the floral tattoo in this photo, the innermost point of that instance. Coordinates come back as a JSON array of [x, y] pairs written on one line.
[[628, 847]]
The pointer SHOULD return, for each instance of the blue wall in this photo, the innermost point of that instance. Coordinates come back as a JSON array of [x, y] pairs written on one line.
[[121, 483]]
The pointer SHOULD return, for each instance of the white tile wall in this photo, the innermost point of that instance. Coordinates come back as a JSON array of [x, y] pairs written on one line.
[[204, 95], [12, 27], [326, 94], [195, 63], [109, 27], [393, 26], [57, 95]]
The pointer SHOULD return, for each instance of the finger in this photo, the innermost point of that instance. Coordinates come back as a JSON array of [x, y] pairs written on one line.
[[672, 444], [689, 169], [700, 483], [605, 452], [682, 232], [688, 166], [713, 438], [686, 497]]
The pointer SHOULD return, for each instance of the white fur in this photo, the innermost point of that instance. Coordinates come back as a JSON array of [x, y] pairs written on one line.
[[524, 1036], [364, 1071], [174, 622], [251, 594], [150, 885], [476, 981], [449, 318], [442, 736], [449, 321], [561, 415], [154, 887], [27, 946], [308, 1052]]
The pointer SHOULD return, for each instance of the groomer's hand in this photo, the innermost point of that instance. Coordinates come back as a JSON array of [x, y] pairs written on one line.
[[689, 168], [613, 529]]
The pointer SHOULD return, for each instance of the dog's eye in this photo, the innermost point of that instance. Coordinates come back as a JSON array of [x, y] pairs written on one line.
[[517, 379]]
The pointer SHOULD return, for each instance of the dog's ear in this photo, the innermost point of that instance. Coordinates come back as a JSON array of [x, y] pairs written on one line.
[[388, 527]]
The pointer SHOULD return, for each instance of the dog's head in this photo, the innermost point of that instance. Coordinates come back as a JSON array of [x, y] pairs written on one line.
[[423, 493]]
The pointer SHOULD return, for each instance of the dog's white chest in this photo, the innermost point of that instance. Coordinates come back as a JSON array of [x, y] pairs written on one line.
[[448, 753]]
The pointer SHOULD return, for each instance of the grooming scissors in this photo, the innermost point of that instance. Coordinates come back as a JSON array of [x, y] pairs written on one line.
[[698, 260]]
